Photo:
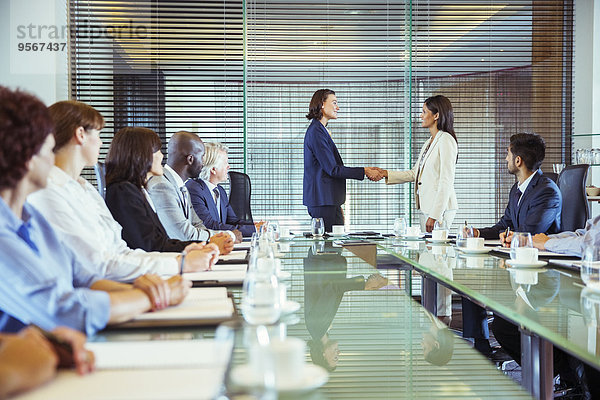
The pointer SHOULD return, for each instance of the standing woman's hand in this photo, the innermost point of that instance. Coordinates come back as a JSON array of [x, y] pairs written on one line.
[[429, 224]]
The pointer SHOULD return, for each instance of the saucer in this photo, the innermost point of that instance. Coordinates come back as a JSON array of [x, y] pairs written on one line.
[[475, 251], [314, 377], [438, 240], [336, 236], [538, 263], [290, 307]]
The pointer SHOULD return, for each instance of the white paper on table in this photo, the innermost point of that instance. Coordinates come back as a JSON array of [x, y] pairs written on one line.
[[155, 370], [200, 303], [541, 253], [222, 273], [492, 242], [234, 255], [242, 246]]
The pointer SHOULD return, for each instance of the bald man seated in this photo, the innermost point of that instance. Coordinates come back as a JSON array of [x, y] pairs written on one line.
[[172, 200]]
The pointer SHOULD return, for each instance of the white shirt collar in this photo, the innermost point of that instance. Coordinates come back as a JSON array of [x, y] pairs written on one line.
[[210, 185], [176, 176], [523, 186]]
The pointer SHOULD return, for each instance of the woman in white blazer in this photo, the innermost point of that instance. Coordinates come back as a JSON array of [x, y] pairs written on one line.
[[433, 173]]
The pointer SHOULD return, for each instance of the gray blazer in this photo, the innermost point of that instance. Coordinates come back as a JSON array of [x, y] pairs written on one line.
[[180, 222]]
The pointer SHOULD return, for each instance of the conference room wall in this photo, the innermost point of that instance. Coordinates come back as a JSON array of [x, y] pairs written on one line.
[[44, 74]]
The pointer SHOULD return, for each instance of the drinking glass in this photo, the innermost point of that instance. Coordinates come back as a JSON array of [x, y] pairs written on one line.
[[317, 227], [590, 266], [464, 232], [399, 227], [520, 240], [273, 230], [557, 168], [260, 298]]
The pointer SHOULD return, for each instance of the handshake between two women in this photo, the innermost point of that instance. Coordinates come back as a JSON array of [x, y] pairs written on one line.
[[375, 174]]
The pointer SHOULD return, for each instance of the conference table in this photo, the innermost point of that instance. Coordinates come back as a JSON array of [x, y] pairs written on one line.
[[373, 340], [550, 305]]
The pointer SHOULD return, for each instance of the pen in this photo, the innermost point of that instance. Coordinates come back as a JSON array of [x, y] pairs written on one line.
[[182, 261], [55, 340]]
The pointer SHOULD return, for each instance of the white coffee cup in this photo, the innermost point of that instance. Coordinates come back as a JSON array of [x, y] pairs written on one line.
[[475, 243], [439, 234], [338, 229], [284, 232], [286, 357], [526, 255], [413, 231]]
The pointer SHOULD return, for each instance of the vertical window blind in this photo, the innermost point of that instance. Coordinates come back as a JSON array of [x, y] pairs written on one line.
[[243, 73]]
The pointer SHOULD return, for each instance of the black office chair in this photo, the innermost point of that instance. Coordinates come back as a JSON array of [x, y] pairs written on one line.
[[100, 171], [552, 175], [575, 208], [239, 194]]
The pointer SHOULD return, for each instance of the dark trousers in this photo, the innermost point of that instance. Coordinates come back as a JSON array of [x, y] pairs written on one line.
[[509, 337], [332, 215], [475, 323]]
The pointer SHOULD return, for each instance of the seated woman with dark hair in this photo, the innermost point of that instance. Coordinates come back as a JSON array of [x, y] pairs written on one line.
[[44, 282]]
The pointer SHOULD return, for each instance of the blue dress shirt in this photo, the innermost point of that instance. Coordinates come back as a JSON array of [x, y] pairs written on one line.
[[43, 281], [574, 243]]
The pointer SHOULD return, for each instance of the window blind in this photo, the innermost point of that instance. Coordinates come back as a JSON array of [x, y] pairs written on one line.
[[243, 72]]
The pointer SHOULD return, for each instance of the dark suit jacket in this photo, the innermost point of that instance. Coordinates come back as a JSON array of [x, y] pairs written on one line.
[[324, 172], [538, 212], [206, 209], [141, 227]]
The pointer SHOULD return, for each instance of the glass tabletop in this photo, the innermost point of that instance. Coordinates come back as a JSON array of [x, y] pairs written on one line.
[[549, 301], [373, 340]]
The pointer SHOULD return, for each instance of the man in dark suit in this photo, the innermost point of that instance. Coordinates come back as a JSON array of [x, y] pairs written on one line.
[[534, 206], [325, 175], [209, 199]]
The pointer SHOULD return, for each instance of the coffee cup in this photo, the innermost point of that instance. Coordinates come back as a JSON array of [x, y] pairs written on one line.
[[439, 234], [285, 357], [284, 232], [475, 243], [526, 255], [338, 229], [438, 250]]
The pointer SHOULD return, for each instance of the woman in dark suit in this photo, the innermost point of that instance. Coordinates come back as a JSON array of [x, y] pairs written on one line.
[[324, 172], [133, 157]]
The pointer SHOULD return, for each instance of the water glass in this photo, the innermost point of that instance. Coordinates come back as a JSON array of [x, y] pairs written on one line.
[[260, 298], [557, 168], [273, 230], [590, 266], [463, 234], [520, 240], [317, 227], [399, 227]]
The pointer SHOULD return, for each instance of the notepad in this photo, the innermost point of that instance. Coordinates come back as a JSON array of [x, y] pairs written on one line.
[[161, 370], [223, 274], [202, 306], [541, 253], [242, 246], [235, 257]]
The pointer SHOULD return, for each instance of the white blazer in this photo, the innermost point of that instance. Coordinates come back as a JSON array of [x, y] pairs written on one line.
[[436, 183]]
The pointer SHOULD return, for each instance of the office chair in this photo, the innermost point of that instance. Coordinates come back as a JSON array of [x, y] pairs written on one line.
[[100, 171], [575, 209], [239, 194]]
